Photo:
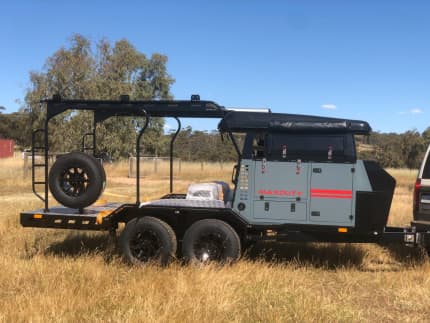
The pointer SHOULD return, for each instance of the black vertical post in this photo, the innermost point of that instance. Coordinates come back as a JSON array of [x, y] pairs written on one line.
[[94, 134], [138, 155], [237, 166], [46, 143], [172, 141]]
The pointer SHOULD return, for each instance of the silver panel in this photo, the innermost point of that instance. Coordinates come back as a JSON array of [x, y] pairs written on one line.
[[289, 212], [281, 180], [331, 194], [243, 194]]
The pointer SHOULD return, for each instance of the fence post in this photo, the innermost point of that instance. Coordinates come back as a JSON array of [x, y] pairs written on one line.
[[25, 164], [155, 165], [130, 167]]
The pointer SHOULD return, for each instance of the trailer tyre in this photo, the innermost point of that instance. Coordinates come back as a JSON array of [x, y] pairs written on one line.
[[148, 239], [77, 180], [211, 240]]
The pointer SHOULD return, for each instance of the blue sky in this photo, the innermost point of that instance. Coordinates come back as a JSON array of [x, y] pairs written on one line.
[[367, 60]]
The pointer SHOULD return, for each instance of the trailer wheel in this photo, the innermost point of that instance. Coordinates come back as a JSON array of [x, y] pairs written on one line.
[[211, 240], [146, 240], [77, 180]]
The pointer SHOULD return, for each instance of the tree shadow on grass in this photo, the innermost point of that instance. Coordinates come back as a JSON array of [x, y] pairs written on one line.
[[317, 255], [330, 255], [412, 256], [82, 244]]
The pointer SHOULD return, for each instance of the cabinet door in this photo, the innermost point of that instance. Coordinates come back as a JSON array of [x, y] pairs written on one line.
[[281, 180], [281, 191], [288, 212], [331, 194]]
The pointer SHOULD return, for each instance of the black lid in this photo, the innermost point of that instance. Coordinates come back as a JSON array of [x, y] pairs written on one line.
[[237, 121]]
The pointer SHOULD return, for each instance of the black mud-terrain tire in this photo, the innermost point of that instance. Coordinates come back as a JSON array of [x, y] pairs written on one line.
[[77, 179], [211, 240], [148, 240]]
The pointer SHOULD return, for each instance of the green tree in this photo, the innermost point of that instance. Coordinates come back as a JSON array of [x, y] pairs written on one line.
[[204, 146], [412, 147], [12, 125], [97, 71], [426, 136]]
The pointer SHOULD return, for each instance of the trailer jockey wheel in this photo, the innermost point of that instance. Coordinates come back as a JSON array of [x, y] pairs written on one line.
[[211, 240], [146, 240], [77, 180]]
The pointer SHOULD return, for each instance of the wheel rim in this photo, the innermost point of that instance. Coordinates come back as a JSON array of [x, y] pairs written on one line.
[[74, 181], [210, 247], [145, 245]]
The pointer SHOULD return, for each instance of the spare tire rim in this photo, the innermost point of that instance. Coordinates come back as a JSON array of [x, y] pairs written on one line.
[[74, 181], [210, 247], [146, 245]]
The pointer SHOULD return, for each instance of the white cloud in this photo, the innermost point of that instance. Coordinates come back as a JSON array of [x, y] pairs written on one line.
[[167, 127], [416, 111], [329, 106], [411, 111]]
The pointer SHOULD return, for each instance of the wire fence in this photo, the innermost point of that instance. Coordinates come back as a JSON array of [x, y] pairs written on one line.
[[39, 158], [161, 166], [153, 165]]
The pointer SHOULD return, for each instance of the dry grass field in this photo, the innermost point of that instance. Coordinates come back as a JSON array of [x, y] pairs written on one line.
[[55, 275]]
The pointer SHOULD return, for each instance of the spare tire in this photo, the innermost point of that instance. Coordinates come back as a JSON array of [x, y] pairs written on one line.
[[77, 179]]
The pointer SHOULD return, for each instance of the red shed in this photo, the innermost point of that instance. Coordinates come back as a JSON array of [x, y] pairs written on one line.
[[6, 148]]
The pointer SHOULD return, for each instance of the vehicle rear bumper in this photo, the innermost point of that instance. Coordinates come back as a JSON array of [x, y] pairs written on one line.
[[421, 225]]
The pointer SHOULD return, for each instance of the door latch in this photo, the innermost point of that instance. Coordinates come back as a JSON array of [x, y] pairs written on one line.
[[284, 151], [330, 153]]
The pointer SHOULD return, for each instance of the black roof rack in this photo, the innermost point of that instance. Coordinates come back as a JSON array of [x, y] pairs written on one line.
[[104, 109], [247, 121], [232, 120]]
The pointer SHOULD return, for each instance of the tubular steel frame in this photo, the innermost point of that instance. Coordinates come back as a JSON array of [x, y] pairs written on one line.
[[104, 109]]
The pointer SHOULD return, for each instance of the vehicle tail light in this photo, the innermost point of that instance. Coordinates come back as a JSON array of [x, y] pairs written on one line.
[[417, 195]]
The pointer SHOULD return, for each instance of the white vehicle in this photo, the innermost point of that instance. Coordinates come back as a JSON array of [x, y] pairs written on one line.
[[422, 195]]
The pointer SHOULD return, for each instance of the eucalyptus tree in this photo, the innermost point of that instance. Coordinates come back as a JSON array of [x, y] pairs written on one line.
[[101, 70]]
